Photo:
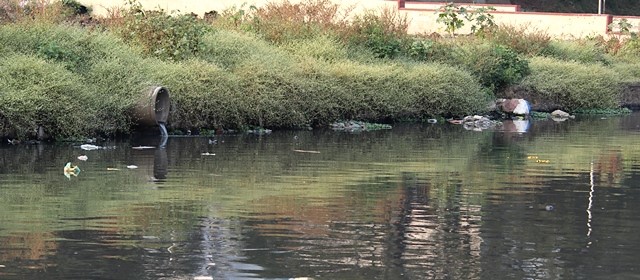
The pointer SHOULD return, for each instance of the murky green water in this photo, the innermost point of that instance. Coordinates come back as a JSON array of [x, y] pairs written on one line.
[[560, 201]]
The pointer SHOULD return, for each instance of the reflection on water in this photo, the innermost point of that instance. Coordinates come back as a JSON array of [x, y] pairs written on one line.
[[540, 200]]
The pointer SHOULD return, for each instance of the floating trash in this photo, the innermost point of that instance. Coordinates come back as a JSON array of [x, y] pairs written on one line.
[[89, 147], [113, 169], [83, 157], [208, 154], [71, 170], [132, 166], [305, 151], [143, 147]]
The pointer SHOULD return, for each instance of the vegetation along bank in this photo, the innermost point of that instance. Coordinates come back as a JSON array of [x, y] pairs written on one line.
[[285, 65]]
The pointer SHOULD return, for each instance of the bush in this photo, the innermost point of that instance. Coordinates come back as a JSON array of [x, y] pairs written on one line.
[[385, 34], [322, 47], [229, 48], [268, 84], [30, 11], [172, 37], [351, 90], [629, 50], [36, 93], [573, 85], [118, 84], [585, 51], [441, 90], [496, 66], [520, 39], [202, 95], [72, 46], [628, 72], [280, 22]]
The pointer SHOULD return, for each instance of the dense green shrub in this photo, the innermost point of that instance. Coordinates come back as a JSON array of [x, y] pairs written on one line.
[[282, 21], [521, 39], [585, 51], [172, 37], [202, 95], [115, 73], [267, 84], [353, 90], [229, 48], [442, 90], [118, 84], [36, 93], [73, 46], [496, 66], [384, 33], [573, 85], [432, 49], [629, 50], [323, 48], [628, 72]]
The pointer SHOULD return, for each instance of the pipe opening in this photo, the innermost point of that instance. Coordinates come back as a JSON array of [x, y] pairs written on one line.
[[153, 107], [161, 104]]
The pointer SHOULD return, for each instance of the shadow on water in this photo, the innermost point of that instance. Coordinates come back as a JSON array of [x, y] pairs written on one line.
[[556, 201]]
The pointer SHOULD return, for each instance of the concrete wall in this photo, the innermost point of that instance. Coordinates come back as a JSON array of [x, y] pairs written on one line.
[[102, 7], [634, 21], [436, 5], [422, 15]]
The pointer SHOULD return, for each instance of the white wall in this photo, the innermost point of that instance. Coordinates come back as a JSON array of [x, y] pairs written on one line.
[[422, 16]]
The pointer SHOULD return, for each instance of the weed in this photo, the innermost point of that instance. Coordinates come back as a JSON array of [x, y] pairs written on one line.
[[385, 34], [573, 85], [521, 39], [452, 17], [172, 37]]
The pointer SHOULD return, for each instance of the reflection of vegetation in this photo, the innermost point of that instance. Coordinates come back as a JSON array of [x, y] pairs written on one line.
[[365, 173]]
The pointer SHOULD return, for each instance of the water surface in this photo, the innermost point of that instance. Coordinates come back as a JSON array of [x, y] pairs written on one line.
[[558, 201]]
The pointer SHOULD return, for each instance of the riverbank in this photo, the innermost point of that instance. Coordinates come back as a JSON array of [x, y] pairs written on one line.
[[283, 66]]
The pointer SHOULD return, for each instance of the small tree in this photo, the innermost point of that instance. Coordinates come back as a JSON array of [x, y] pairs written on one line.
[[481, 20], [453, 17]]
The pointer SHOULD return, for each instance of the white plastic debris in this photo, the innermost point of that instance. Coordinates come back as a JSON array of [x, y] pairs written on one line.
[[89, 147]]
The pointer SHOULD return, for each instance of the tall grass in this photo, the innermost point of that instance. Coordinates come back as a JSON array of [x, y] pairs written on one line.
[[322, 48], [73, 46], [35, 93], [523, 39], [283, 21], [573, 85], [203, 95], [586, 51], [169, 37]]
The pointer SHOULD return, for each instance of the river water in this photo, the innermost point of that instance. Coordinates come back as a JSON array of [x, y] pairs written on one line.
[[560, 200]]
